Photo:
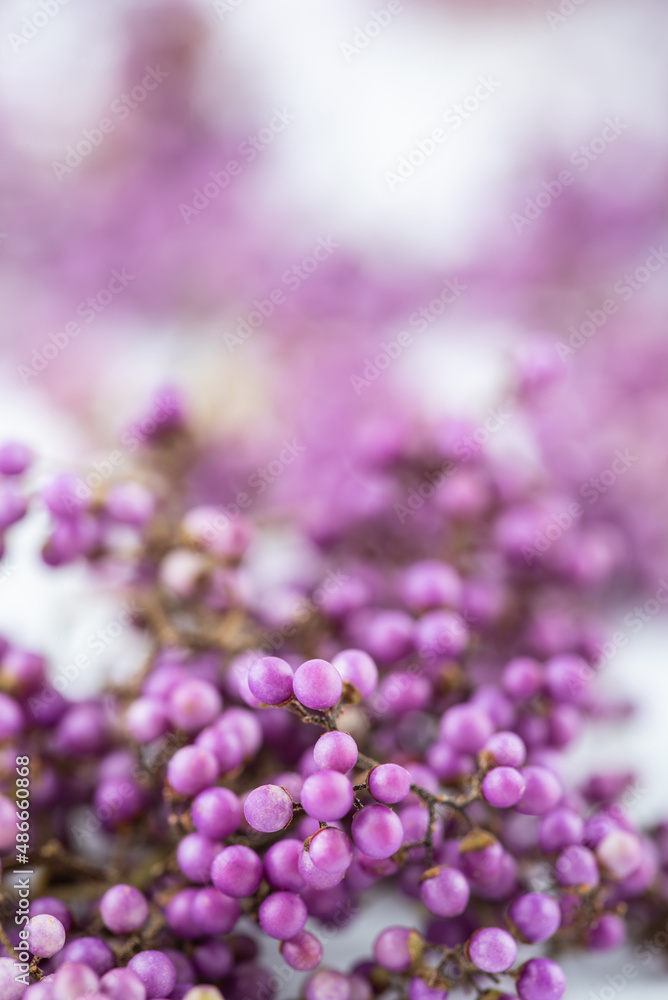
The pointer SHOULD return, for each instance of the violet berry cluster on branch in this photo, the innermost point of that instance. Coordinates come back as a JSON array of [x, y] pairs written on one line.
[[393, 721]]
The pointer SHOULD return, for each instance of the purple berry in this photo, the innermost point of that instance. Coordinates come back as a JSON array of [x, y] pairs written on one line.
[[327, 795], [156, 971], [389, 783], [492, 949], [357, 667], [377, 831], [542, 792], [191, 770], [331, 850], [445, 891], [541, 979], [302, 952], [216, 812], [270, 680], [391, 949], [335, 751], [268, 808], [577, 866], [237, 871], [465, 728], [536, 916], [123, 909], [503, 787], [46, 935], [317, 684], [282, 915]]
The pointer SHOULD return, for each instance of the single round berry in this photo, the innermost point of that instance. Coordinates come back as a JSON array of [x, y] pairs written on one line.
[[46, 935], [281, 865], [331, 850], [179, 914], [431, 584], [328, 985], [389, 783], [541, 979], [194, 704], [391, 949], [536, 916], [503, 787], [357, 668], [270, 680], [335, 751], [216, 812], [492, 949], [303, 952], [268, 808], [522, 678], [317, 684], [542, 791], [156, 971], [237, 871], [377, 831], [282, 915], [89, 951], [122, 984], [560, 828], [191, 770], [213, 912], [445, 891], [507, 748], [327, 795], [146, 720], [124, 909], [465, 728], [195, 855]]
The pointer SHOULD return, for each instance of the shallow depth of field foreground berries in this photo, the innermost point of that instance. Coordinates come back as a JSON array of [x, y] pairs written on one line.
[[333, 478]]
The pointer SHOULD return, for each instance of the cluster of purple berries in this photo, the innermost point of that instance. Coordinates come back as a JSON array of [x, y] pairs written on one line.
[[398, 719]]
